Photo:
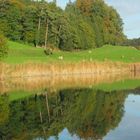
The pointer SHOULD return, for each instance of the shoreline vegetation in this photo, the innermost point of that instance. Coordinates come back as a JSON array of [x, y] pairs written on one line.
[[78, 43], [53, 69], [75, 80], [28, 68], [25, 63], [79, 32]]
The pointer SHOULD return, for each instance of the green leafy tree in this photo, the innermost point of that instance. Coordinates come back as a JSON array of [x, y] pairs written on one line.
[[3, 46], [83, 24]]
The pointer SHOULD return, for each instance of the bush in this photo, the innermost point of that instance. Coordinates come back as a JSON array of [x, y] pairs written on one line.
[[3, 46], [48, 51]]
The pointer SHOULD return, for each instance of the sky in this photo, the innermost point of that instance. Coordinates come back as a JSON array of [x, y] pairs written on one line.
[[129, 11]]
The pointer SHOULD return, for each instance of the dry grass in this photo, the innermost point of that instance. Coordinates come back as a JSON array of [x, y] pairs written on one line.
[[58, 82], [36, 69], [58, 76]]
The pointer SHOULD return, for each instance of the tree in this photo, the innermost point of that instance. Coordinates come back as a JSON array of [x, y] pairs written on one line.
[[83, 24], [3, 46], [29, 23]]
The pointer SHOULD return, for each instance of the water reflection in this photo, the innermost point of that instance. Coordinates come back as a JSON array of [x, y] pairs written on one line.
[[72, 113], [129, 127], [63, 81]]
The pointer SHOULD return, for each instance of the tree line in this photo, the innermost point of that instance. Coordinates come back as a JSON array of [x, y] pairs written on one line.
[[83, 24], [133, 42]]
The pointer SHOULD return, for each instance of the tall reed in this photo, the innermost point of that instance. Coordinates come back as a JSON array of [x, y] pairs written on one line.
[[80, 75], [42, 69]]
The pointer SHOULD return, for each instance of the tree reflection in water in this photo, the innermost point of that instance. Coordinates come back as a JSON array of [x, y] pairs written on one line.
[[85, 113]]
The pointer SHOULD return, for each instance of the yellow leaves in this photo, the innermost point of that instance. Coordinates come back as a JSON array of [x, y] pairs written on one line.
[[18, 4], [84, 6]]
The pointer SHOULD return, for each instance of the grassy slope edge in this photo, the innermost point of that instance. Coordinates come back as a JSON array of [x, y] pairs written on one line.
[[21, 53]]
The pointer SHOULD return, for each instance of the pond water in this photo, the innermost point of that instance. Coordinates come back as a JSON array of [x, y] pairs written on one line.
[[73, 113]]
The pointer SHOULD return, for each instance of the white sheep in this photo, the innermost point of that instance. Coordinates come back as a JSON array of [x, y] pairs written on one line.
[[60, 57]]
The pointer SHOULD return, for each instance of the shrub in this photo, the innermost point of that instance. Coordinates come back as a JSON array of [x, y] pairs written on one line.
[[50, 49], [3, 46]]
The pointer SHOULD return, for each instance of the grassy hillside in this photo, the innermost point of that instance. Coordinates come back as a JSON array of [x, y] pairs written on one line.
[[19, 53]]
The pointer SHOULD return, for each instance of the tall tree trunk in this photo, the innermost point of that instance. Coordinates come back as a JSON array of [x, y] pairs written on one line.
[[46, 34], [59, 35], [38, 32]]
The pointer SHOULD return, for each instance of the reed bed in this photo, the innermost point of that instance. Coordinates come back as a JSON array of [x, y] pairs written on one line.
[[37, 69], [58, 82], [33, 76]]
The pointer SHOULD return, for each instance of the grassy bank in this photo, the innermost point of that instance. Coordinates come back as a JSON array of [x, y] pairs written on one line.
[[21, 53]]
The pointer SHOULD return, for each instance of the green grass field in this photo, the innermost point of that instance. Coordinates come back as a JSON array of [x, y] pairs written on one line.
[[20, 53]]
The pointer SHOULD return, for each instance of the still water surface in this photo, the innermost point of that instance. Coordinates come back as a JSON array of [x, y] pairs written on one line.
[[70, 114]]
